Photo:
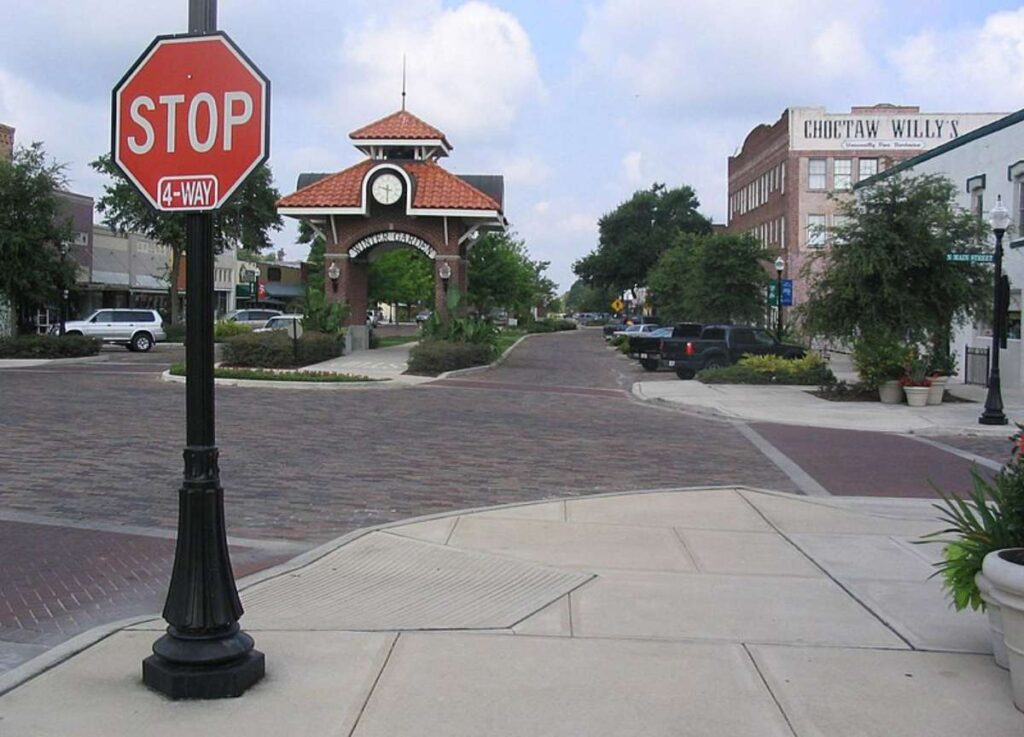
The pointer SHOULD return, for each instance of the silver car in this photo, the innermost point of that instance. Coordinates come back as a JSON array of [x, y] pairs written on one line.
[[256, 318], [137, 330]]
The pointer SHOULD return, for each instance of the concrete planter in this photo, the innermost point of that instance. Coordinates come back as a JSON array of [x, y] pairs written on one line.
[[890, 392], [995, 621], [936, 390], [1005, 571], [917, 396]]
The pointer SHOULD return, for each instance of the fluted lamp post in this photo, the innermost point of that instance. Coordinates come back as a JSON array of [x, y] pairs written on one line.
[[999, 218], [779, 266]]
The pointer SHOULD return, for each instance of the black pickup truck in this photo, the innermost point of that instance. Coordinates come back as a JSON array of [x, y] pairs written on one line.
[[647, 348], [721, 345]]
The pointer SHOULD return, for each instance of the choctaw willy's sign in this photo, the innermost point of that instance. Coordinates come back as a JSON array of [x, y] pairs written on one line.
[[814, 129]]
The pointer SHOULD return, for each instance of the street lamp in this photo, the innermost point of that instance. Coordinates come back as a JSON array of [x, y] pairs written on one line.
[[779, 266], [999, 218], [254, 295], [334, 273], [64, 292], [445, 272]]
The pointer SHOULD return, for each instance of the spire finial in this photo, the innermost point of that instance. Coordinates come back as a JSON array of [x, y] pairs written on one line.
[[403, 82]]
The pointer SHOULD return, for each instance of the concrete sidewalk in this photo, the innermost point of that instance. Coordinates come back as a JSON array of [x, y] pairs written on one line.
[[701, 612], [380, 363], [795, 405]]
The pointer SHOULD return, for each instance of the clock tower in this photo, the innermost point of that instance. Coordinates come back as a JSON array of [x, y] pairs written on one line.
[[398, 196]]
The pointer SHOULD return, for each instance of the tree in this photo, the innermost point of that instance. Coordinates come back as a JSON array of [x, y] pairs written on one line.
[[402, 275], [244, 222], [887, 273], [710, 278], [501, 274], [32, 230], [634, 235], [582, 297]]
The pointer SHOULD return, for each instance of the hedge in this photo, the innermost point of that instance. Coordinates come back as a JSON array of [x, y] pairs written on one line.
[[550, 326], [433, 357], [275, 350], [224, 329], [49, 346], [810, 370]]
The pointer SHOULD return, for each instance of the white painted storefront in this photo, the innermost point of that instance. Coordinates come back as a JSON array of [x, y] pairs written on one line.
[[987, 164]]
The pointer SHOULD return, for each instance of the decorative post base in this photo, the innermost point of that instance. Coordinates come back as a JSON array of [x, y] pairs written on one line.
[[189, 681]]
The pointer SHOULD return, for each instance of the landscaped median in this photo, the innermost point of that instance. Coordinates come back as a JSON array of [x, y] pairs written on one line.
[[258, 374]]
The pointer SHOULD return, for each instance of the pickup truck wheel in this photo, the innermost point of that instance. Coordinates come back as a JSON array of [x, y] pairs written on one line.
[[141, 342], [684, 373], [650, 364]]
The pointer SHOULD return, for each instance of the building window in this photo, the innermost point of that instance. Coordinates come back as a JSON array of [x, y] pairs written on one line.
[[815, 231], [842, 175], [868, 168], [816, 174], [273, 273]]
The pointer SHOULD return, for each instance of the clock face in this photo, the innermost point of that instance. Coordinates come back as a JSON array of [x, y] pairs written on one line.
[[387, 189]]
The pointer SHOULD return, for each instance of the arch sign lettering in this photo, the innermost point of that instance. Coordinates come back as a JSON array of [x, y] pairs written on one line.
[[378, 239]]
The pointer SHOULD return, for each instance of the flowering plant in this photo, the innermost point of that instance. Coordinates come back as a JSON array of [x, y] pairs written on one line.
[[915, 373]]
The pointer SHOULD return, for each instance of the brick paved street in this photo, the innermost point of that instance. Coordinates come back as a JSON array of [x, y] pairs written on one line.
[[101, 442], [93, 450]]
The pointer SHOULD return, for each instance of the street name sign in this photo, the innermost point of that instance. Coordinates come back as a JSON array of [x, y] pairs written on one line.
[[970, 258], [191, 121]]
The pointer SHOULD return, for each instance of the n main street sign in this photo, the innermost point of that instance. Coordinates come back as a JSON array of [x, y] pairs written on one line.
[[970, 258], [191, 121]]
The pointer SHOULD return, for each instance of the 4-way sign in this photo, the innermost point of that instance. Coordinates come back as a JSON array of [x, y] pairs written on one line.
[[191, 121]]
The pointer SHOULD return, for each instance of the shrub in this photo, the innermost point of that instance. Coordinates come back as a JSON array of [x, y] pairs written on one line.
[[253, 374], [433, 357], [878, 359], [461, 330], [275, 350], [550, 326], [225, 329], [49, 346], [810, 370], [175, 333]]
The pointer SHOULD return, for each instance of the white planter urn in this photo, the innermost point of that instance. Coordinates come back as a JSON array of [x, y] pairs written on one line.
[[917, 396], [937, 389], [890, 392], [1005, 571], [995, 621]]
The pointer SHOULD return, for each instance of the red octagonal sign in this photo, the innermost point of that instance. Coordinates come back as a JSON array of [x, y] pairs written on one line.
[[191, 121]]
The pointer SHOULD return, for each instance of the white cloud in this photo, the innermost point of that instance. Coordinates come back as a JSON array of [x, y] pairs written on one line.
[[724, 56], [523, 171], [470, 68], [972, 69], [632, 168]]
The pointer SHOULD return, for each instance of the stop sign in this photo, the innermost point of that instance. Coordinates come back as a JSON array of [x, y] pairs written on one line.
[[191, 121]]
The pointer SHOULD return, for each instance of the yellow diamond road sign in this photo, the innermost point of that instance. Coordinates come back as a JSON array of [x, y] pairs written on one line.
[[617, 305]]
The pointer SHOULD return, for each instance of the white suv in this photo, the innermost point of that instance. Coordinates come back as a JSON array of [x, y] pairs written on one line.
[[138, 330]]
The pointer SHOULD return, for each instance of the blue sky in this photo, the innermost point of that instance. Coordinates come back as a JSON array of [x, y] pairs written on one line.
[[578, 104]]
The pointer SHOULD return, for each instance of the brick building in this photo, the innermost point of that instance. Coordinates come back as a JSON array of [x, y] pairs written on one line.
[[783, 181], [6, 141]]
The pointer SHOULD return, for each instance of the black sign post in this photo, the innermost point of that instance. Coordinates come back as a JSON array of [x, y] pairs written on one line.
[[205, 654]]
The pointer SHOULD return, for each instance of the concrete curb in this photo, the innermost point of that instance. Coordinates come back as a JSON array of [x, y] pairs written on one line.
[[308, 385], [58, 654]]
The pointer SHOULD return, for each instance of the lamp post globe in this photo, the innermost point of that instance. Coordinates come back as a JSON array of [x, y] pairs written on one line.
[[999, 219], [780, 265]]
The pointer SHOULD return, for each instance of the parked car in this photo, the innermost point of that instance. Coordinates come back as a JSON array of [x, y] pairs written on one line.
[[636, 329], [722, 345], [252, 317], [646, 347], [138, 330], [281, 322], [423, 315]]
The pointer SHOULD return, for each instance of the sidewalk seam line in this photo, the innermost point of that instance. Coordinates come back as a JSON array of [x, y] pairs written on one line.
[[373, 687], [830, 577], [768, 688], [686, 548], [803, 480]]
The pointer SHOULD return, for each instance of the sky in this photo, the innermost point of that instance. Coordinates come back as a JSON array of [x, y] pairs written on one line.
[[577, 104]]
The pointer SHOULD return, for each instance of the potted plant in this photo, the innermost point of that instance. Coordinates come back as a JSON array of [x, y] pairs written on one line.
[[879, 361], [941, 365], [916, 383], [1004, 570], [990, 519]]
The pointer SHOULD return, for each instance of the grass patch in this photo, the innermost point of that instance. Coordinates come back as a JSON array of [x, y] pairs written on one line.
[[226, 372], [392, 340], [507, 338]]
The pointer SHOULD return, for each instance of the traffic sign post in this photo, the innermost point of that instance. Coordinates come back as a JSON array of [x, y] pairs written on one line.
[[190, 124], [617, 305]]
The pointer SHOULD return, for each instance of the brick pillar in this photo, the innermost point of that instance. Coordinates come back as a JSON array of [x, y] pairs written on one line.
[[440, 299], [335, 293]]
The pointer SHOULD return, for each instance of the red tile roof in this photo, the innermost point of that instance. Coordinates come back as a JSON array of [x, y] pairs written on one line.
[[433, 189], [402, 125]]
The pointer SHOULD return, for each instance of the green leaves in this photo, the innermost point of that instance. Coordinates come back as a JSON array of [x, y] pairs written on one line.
[[502, 275]]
